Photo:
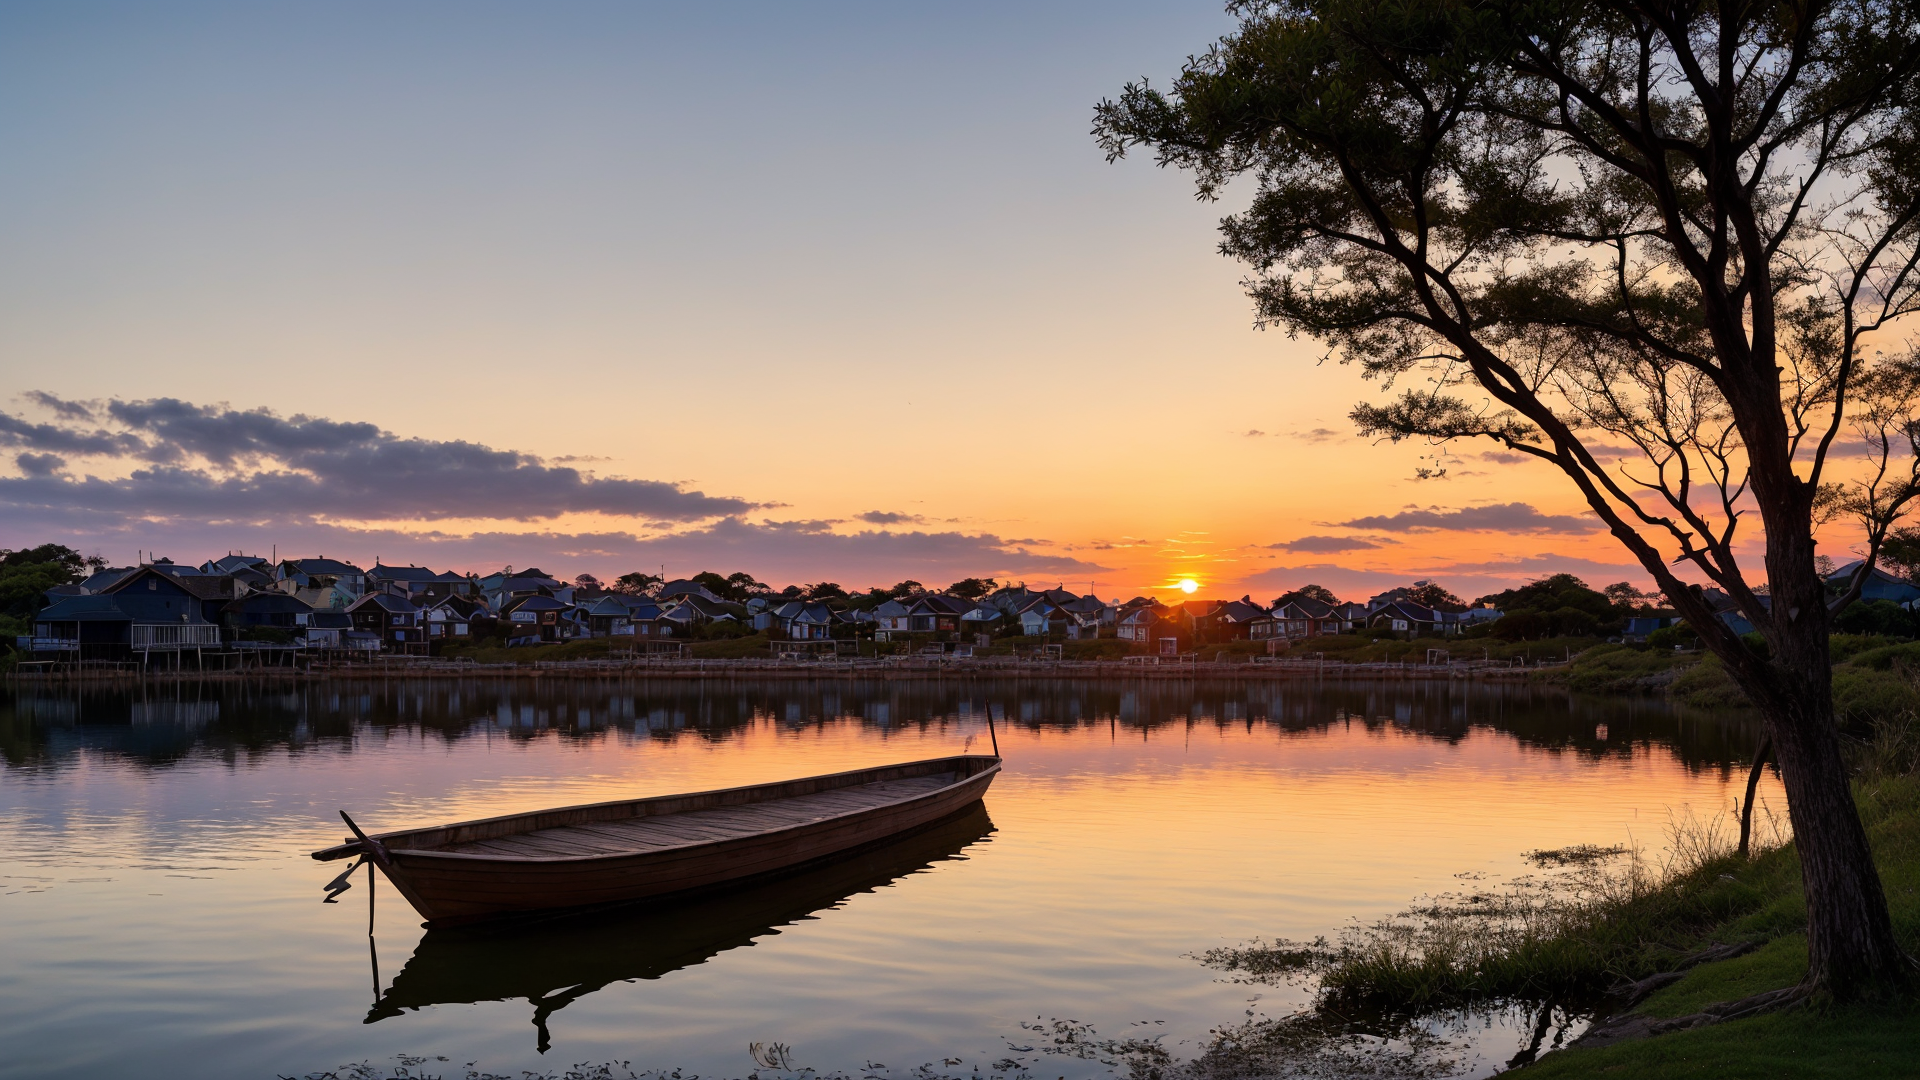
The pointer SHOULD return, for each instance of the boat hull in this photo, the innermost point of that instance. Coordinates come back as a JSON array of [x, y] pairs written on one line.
[[451, 887]]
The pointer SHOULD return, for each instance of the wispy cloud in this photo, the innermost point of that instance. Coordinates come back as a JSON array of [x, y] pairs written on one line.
[[889, 517], [1513, 517], [1325, 545]]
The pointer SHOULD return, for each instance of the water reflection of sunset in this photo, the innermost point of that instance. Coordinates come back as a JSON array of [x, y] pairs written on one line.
[[1135, 825]]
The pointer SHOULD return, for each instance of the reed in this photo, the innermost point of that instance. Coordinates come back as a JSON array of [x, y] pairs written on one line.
[[1589, 918]]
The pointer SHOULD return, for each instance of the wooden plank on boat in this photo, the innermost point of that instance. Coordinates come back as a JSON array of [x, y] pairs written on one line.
[[645, 848]]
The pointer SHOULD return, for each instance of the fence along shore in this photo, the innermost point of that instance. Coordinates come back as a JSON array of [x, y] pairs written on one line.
[[300, 669]]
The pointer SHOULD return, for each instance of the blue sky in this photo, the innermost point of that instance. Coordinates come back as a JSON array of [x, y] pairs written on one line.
[[859, 267]]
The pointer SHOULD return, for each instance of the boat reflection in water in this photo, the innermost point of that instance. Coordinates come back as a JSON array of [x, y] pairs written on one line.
[[555, 962]]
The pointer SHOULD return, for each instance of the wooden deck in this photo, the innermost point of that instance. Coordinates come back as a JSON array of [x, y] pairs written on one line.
[[642, 834]]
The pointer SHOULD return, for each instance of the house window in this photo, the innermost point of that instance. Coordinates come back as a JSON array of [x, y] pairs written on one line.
[[152, 585]]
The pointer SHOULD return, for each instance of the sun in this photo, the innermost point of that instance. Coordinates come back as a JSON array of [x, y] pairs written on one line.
[[1189, 586]]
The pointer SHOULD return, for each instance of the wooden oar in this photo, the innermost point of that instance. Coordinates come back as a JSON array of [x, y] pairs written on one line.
[[374, 849]]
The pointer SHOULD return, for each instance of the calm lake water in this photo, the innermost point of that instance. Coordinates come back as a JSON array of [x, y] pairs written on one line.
[[159, 916]]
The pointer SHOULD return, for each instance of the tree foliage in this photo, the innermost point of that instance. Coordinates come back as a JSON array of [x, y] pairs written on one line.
[[1667, 248], [972, 588], [26, 575], [1307, 592], [1560, 605], [637, 583]]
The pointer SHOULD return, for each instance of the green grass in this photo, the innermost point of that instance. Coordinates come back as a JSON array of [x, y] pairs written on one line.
[[1852, 1041], [1592, 918], [1857, 1043]]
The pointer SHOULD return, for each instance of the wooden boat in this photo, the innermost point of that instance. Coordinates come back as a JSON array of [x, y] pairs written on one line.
[[554, 962], [642, 849]]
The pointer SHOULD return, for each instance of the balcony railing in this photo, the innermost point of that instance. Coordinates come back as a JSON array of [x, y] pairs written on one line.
[[174, 635]]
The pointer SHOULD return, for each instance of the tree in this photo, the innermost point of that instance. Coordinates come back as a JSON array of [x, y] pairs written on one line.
[[1307, 592], [637, 583], [26, 575], [1625, 595], [744, 585], [586, 581], [1901, 552], [1682, 229], [1559, 605], [1433, 595], [825, 590], [972, 588]]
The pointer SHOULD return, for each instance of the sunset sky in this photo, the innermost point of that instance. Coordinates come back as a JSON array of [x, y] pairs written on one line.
[[819, 292]]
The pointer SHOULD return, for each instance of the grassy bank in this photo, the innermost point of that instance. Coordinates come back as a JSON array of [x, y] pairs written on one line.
[[1874, 677], [1855, 1041], [1592, 919]]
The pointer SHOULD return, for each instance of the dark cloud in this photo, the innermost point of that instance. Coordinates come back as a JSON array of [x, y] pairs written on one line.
[[1514, 517], [888, 517], [1254, 433], [772, 551], [1325, 545], [40, 464], [218, 463], [57, 438], [1318, 434], [65, 410]]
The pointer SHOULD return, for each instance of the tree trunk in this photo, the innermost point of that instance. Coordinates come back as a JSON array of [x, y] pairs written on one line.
[[1851, 949]]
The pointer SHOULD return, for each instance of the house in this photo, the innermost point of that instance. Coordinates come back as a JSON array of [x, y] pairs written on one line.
[[1306, 617], [1151, 621], [982, 618], [1404, 616], [681, 589], [448, 618], [248, 579], [693, 610], [890, 618], [329, 630], [80, 627], [1042, 618], [330, 596], [272, 610], [1640, 627], [936, 613], [417, 582], [506, 590], [293, 575], [1456, 621], [800, 621], [1415, 619], [1351, 616], [98, 581], [1090, 610], [395, 620], [148, 611], [611, 615], [533, 619], [232, 563], [1233, 620], [155, 595], [1879, 585]]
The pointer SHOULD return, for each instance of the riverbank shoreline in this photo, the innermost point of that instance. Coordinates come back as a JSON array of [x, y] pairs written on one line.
[[902, 668]]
